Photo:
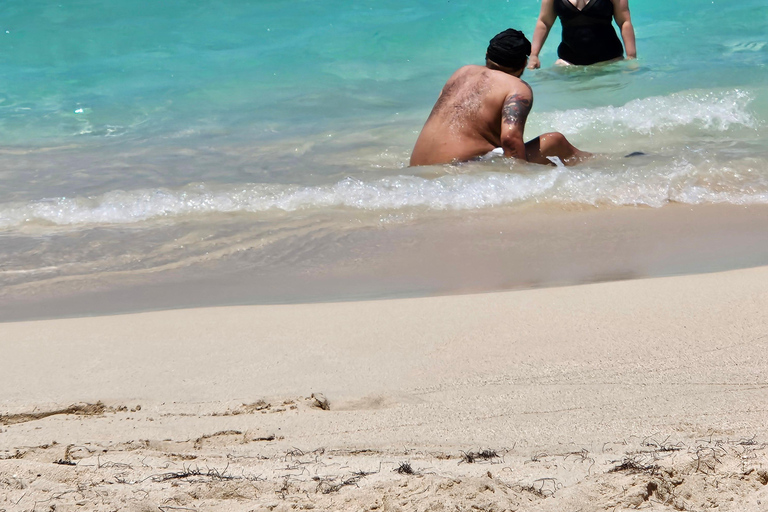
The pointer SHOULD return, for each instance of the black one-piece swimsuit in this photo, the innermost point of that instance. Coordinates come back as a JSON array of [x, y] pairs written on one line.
[[588, 36]]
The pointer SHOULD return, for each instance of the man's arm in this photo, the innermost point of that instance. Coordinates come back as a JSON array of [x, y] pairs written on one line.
[[623, 20], [514, 113]]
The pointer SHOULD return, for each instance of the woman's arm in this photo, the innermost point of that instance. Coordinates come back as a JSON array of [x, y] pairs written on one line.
[[621, 15], [547, 17]]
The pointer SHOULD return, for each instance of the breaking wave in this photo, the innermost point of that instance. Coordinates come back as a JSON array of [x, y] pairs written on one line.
[[718, 111], [680, 182]]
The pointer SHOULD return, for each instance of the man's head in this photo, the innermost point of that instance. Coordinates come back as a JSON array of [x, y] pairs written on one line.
[[508, 52]]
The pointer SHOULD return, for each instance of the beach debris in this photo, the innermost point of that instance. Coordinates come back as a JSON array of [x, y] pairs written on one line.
[[482, 455], [320, 401], [83, 409], [294, 452], [258, 406], [543, 487], [198, 443], [405, 469], [73, 452], [707, 458], [188, 472], [748, 441], [65, 462], [633, 465], [330, 485], [662, 446], [266, 438], [182, 456], [18, 454]]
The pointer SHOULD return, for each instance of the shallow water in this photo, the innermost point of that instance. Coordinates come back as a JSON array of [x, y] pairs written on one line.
[[138, 138]]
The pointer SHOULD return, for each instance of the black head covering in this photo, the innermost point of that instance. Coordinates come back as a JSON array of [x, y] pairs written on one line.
[[509, 49]]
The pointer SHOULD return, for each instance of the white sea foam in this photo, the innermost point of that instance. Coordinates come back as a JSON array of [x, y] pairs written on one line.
[[717, 111], [677, 181], [651, 182]]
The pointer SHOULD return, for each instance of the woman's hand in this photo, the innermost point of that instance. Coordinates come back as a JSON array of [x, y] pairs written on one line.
[[534, 62]]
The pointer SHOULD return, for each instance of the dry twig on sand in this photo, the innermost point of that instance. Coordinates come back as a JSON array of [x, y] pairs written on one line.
[[632, 465], [405, 469], [211, 473], [543, 487], [482, 455], [329, 485]]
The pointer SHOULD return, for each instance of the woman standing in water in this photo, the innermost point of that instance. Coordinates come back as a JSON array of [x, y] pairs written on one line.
[[588, 36]]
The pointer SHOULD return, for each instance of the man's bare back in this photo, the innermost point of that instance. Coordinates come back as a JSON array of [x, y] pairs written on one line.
[[466, 121], [485, 107]]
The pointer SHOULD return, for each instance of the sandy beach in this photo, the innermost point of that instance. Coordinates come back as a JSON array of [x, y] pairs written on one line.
[[644, 394], [225, 288]]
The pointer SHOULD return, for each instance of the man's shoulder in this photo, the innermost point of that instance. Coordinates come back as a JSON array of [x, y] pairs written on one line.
[[511, 80], [514, 85], [468, 69]]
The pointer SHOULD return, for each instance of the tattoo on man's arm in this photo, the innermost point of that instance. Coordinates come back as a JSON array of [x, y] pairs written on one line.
[[516, 109]]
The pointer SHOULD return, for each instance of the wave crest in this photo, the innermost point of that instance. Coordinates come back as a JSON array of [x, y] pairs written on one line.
[[709, 110], [679, 181]]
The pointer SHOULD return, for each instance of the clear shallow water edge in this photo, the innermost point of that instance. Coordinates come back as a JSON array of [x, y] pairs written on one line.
[[207, 140]]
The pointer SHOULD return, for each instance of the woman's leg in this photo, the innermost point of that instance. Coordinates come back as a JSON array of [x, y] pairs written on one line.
[[553, 144]]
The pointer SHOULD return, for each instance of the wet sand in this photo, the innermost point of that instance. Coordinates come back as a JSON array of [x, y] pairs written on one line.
[[444, 253]]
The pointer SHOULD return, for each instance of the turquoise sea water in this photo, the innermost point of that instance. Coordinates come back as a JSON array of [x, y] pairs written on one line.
[[143, 136]]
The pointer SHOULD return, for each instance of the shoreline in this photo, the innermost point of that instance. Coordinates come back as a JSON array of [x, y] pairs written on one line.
[[617, 394], [448, 253]]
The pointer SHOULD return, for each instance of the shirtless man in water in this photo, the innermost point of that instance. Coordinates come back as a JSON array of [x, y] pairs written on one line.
[[485, 107]]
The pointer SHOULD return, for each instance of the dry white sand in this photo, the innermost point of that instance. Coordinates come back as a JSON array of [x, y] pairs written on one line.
[[649, 394]]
